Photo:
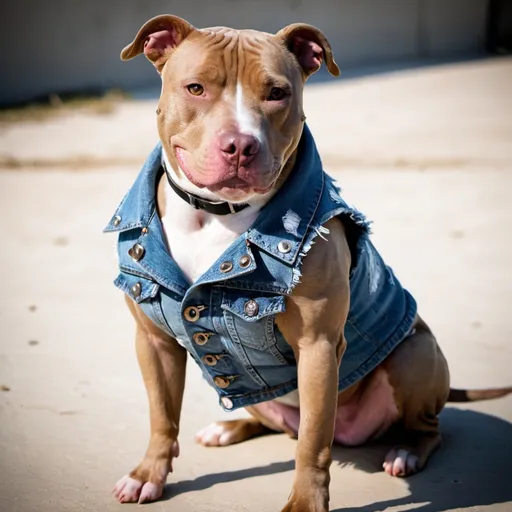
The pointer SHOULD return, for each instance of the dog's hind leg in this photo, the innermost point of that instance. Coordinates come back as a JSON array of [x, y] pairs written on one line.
[[267, 417], [418, 373]]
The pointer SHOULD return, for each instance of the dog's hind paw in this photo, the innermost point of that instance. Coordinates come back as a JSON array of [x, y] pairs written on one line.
[[223, 433], [400, 462], [129, 490]]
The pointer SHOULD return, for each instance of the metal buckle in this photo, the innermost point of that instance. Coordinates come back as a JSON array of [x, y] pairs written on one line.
[[193, 202]]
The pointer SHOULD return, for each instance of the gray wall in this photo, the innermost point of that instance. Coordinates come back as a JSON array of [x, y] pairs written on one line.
[[65, 45]]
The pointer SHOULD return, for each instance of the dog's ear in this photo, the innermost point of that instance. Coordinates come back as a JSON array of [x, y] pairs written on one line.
[[310, 47], [157, 38]]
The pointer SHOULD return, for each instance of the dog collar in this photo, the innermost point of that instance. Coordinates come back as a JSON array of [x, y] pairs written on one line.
[[199, 203]]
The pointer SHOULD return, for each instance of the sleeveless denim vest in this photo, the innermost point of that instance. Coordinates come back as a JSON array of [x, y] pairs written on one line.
[[226, 319]]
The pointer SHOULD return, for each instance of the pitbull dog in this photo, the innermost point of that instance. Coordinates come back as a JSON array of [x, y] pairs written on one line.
[[235, 246]]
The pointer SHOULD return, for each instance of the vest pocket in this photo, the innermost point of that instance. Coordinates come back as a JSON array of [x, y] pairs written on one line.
[[250, 320]]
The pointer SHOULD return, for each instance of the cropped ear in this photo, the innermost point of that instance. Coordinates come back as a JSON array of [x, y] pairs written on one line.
[[157, 38], [310, 47]]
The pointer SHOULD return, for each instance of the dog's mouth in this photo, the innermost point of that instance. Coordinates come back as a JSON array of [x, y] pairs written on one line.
[[231, 183], [228, 182]]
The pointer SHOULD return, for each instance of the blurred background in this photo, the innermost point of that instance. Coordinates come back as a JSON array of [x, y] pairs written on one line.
[[418, 133], [68, 46]]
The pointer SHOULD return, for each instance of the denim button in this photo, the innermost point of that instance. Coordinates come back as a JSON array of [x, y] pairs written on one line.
[[251, 308], [192, 313], [136, 252], [117, 220], [284, 246], [201, 338], [245, 261], [226, 402], [136, 290], [222, 382], [226, 266]]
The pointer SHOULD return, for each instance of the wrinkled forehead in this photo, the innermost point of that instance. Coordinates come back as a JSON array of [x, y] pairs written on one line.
[[226, 55]]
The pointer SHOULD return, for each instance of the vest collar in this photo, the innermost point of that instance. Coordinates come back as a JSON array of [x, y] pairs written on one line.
[[282, 224]]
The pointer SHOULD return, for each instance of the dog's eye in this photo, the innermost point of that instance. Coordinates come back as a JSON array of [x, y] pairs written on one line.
[[195, 89], [276, 94]]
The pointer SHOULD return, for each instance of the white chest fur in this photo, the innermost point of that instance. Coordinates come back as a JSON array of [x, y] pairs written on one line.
[[196, 238]]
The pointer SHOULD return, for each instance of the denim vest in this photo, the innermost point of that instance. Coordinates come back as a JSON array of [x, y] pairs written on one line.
[[226, 319]]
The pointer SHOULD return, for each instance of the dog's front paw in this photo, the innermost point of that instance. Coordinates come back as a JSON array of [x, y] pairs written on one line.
[[146, 482], [308, 502], [295, 505], [130, 490]]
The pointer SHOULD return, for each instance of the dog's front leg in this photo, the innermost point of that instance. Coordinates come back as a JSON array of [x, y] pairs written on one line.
[[313, 324], [162, 362], [318, 386]]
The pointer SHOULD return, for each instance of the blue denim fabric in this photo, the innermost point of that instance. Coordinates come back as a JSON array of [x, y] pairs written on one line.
[[240, 342]]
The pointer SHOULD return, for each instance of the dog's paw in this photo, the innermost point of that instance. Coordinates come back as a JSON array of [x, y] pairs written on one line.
[[129, 490], [400, 462], [303, 505], [146, 482], [223, 433]]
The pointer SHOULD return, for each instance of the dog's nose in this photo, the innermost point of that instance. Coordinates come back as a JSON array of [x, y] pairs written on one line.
[[239, 147]]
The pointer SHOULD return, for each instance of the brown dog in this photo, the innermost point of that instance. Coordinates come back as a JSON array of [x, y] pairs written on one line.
[[234, 144]]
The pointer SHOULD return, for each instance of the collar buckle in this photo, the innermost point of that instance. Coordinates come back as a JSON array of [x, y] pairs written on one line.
[[193, 202]]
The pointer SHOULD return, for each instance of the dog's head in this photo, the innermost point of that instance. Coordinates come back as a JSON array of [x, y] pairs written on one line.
[[230, 112]]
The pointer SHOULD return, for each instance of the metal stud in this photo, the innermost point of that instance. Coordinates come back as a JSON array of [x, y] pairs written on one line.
[[251, 308], [226, 266], [136, 290], [192, 313], [284, 246], [117, 220], [201, 338], [136, 252], [145, 231], [226, 402], [245, 261]]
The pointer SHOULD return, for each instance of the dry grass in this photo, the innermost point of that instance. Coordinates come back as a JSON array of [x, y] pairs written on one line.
[[56, 105]]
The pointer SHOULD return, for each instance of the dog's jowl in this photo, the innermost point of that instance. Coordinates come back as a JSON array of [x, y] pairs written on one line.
[[235, 246]]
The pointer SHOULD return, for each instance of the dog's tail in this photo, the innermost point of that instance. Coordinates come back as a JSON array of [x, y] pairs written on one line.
[[473, 395]]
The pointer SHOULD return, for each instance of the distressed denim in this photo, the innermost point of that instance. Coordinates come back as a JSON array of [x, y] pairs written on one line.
[[226, 319]]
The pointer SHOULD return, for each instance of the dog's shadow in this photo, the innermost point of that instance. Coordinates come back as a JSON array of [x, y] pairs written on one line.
[[470, 469]]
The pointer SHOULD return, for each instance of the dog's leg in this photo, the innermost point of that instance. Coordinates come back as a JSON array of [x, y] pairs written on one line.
[[267, 417], [321, 303], [420, 378], [162, 361]]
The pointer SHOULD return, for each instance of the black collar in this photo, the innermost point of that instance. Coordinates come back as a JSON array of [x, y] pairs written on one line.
[[199, 203]]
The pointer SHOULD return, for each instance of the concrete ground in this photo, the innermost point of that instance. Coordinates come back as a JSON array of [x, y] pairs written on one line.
[[426, 154]]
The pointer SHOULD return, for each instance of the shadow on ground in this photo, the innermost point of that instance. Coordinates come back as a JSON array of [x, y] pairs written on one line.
[[469, 470], [207, 481]]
